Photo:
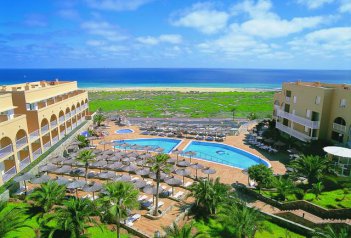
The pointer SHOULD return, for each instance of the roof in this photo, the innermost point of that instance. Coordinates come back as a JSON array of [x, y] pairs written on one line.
[[338, 151]]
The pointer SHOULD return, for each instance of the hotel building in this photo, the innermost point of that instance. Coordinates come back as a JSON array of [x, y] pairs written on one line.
[[33, 117], [310, 111]]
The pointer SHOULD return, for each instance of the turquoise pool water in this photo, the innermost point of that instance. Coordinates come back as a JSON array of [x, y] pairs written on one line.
[[167, 144], [124, 131], [224, 154]]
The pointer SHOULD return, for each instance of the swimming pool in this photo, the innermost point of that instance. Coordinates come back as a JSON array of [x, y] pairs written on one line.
[[165, 143], [124, 131], [85, 133], [224, 154]]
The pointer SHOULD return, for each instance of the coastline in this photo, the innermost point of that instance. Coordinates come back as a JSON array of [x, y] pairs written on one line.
[[180, 89]]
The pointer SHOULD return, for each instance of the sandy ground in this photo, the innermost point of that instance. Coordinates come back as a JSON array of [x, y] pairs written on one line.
[[180, 89]]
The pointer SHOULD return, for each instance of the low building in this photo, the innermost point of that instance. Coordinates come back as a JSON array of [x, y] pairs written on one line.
[[33, 117], [311, 111]]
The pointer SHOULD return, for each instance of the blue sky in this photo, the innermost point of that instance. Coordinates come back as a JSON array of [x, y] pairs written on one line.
[[289, 34]]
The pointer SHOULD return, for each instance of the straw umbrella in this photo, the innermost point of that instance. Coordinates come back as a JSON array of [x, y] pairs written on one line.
[[183, 163], [172, 161], [143, 172], [75, 185], [47, 167], [62, 181], [183, 172], [23, 178], [42, 179], [152, 190], [64, 169], [107, 175], [177, 152], [129, 168], [99, 164], [125, 146], [92, 138], [159, 150], [196, 166], [92, 189], [190, 153], [208, 171], [147, 148], [129, 159], [104, 143], [173, 182], [57, 159], [162, 176], [139, 183], [124, 177], [116, 166]]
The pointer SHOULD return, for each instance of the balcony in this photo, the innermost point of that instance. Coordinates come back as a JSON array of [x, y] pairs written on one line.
[[68, 116], [339, 128], [73, 112], [21, 142], [47, 146], [9, 174], [37, 153], [34, 135], [44, 129], [294, 133], [55, 139], [287, 99], [62, 134], [53, 124], [24, 163], [6, 151], [62, 119], [297, 119]]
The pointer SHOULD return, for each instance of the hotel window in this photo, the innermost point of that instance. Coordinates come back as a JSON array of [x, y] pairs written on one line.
[[308, 113], [343, 103], [318, 100], [295, 98]]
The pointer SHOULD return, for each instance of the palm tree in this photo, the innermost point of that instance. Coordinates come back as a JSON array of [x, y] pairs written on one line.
[[11, 219], [47, 195], [174, 231], [119, 198], [243, 221], [329, 232], [209, 194], [98, 119], [86, 156], [159, 163], [284, 186], [84, 142], [233, 110], [70, 220], [311, 167], [317, 189]]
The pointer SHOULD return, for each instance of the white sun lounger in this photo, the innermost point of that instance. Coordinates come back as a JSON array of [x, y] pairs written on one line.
[[130, 220], [188, 184]]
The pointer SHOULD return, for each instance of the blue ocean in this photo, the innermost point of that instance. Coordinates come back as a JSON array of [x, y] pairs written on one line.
[[212, 78]]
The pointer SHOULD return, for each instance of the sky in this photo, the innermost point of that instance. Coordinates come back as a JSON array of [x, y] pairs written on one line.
[[274, 34]]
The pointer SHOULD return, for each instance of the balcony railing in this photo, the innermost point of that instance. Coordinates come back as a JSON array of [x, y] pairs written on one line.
[[299, 120], [9, 174], [21, 142], [339, 128], [55, 139], [53, 124], [23, 163], [68, 115], [78, 109], [36, 153], [62, 119], [47, 146], [294, 133], [34, 135], [62, 134], [69, 129], [74, 112], [44, 129], [5, 151]]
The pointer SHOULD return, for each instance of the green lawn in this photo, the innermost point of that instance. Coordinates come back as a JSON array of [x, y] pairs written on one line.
[[328, 199], [216, 230], [94, 232], [177, 104]]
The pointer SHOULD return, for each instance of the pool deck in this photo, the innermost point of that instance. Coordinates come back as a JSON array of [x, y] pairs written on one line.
[[228, 175]]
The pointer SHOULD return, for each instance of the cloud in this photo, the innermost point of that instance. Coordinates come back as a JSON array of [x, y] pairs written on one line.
[[314, 4], [345, 6], [171, 39], [104, 29], [69, 14], [35, 20], [202, 17], [330, 41], [266, 24], [95, 43], [117, 5]]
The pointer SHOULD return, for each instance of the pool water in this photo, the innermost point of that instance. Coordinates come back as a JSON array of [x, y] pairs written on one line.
[[167, 144], [85, 133], [124, 131], [224, 154]]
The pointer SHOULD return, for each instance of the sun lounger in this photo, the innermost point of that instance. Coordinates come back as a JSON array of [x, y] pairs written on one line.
[[130, 220], [178, 195], [188, 184], [141, 198]]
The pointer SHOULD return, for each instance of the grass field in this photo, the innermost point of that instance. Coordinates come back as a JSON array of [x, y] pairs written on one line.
[[183, 104]]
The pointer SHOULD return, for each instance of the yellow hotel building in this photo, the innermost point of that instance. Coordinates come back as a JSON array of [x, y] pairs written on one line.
[[33, 117], [311, 111]]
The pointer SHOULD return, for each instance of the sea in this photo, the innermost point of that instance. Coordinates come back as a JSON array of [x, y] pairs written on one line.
[[175, 77]]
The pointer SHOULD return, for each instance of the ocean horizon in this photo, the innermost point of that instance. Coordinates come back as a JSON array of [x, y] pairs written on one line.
[[175, 77]]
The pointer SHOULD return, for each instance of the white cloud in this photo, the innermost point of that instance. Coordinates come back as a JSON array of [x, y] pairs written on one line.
[[104, 29], [202, 17], [69, 14], [95, 43], [170, 38], [345, 6], [117, 5], [265, 23], [313, 4], [332, 41]]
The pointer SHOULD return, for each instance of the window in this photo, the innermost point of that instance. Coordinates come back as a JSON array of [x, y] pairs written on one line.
[[308, 113], [306, 129], [318, 100], [295, 98], [343, 103], [288, 93]]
